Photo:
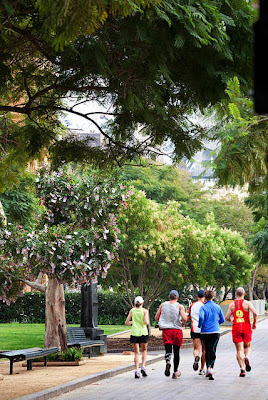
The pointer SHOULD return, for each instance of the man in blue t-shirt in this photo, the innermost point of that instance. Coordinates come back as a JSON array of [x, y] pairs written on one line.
[[210, 318]]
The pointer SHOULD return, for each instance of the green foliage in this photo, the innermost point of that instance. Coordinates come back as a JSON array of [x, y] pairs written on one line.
[[166, 183], [72, 354], [68, 19], [162, 183], [21, 203], [242, 158], [148, 77], [160, 249]]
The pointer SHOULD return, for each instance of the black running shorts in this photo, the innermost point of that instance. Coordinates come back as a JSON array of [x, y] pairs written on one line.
[[195, 335], [139, 339]]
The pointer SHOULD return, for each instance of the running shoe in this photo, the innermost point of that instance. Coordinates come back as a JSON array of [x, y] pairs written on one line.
[[143, 372], [242, 373], [195, 364], [176, 374], [209, 374], [167, 370], [137, 375], [211, 377], [202, 372], [247, 364]]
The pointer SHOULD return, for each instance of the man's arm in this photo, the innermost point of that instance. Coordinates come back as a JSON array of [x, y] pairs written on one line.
[[229, 312], [255, 314], [158, 313], [182, 314]]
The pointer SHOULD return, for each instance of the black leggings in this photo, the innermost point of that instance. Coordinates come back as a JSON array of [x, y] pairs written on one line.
[[176, 358], [210, 341]]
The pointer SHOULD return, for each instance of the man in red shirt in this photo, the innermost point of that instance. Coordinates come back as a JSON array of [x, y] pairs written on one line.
[[239, 312]]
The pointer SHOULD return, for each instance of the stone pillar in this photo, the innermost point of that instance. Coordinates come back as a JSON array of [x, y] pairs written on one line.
[[89, 317]]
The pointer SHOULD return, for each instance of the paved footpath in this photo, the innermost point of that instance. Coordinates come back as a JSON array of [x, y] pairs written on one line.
[[190, 386]]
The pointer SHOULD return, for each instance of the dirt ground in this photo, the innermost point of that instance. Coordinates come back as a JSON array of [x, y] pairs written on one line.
[[24, 382]]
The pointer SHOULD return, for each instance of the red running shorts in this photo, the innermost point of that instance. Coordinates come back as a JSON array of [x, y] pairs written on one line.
[[172, 336], [239, 337]]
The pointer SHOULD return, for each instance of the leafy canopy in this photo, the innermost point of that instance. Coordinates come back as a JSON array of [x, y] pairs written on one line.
[[149, 70]]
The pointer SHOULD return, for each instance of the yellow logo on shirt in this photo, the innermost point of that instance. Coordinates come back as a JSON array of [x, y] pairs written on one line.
[[239, 316]]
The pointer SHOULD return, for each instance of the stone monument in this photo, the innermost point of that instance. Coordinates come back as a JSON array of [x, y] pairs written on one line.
[[89, 317]]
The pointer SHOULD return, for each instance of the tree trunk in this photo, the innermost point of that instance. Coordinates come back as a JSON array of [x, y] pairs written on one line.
[[252, 282], [55, 325], [264, 291]]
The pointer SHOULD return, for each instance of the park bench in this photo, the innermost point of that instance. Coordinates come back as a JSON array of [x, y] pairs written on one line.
[[28, 355], [76, 338]]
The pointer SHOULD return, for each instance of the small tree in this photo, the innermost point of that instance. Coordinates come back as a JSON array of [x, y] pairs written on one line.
[[74, 241], [160, 248]]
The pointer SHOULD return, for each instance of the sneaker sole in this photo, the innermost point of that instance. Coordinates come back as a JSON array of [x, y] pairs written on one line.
[[167, 370], [195, 364]]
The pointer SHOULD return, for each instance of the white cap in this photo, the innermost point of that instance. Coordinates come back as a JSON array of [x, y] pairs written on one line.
[[138, 299]]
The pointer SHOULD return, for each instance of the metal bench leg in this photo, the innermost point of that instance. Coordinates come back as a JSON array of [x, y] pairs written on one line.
[[45, 361], [29, 365], [11, 366]]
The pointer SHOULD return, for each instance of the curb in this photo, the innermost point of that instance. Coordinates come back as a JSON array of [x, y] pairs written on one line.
[[87, 380]]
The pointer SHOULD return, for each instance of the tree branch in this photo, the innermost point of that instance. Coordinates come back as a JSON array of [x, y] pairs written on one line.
[[35, 285]]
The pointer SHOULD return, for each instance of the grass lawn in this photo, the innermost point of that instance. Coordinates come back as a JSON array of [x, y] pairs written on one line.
[[17, 336]]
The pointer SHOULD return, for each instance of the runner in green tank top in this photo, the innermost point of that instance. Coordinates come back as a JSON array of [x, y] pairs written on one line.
[[139, 318]]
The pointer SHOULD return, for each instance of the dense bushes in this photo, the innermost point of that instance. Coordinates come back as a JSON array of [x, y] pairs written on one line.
[[31, 308]]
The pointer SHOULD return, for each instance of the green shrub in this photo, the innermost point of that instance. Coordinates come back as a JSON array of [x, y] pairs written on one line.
[[72, 354]]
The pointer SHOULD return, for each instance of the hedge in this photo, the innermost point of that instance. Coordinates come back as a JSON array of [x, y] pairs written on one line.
[[31, 309]]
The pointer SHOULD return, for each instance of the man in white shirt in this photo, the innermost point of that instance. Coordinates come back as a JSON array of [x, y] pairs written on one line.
[[193, 316]]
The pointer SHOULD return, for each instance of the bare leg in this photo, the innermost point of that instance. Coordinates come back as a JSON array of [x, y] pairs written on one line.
[[247, 349], [144, 353], [136, 348], [239, 354], [197, 345]]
